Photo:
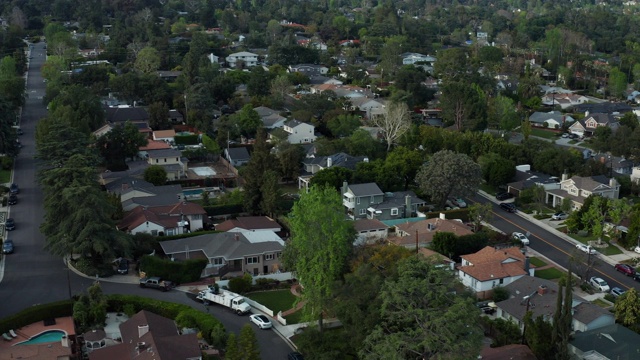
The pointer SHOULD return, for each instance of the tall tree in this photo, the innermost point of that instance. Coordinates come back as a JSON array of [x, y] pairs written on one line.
[[148, 60], [122, 142], [248, 344], [261, 161], [422, 318], [394, 122], [321, 241], [627, 310], [270, 193]]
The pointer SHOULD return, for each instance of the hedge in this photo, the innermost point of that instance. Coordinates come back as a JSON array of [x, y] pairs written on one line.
[[217, 210], [177, 271], [36, 314], [211, 329], [186, 139]]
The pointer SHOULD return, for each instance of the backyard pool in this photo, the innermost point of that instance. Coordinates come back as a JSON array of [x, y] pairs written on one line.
[[45, 337], [193, 192]]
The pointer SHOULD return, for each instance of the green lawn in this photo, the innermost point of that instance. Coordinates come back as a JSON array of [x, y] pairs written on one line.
[[609, 250], [488, 189], [549, 274], [537, 262], [278, 300], [5, 176], [544, 134], [601, 303], [294, 318]]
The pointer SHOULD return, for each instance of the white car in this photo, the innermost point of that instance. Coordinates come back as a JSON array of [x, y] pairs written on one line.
[[262, 321], [559, 216], [459, 202], [587, 249], [599, 284], [637, 249], [521, 237]]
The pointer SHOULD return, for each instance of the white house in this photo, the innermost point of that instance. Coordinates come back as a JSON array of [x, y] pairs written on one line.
[[180, 218], [171, 160], [368, 106], [243, 58], [213, 59], [299, 132], [370, 231], [577, 189]]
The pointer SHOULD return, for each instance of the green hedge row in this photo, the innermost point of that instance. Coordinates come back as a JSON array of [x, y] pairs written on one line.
[[211, 329], [186, 139], [37, 313], [179, 272], [217, 210]]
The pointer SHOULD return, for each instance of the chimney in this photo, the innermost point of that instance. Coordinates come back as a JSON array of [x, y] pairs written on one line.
[[526, 264], [125, 186], [613, 183], [542, 289], [407, 206], [443, 216], [237, 237], [141, 346], [329, 161], [565, 175], [345, 186], [366, 159], [142, 329]]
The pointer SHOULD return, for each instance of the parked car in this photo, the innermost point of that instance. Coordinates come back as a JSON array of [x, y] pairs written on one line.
[[487, 307], [565, 135], [616, 291], [504, 196], [7, 247], [13, 199], [520, 237], [586, 248], [559, 216], [625, 269], [262, 321], [10, 224], [637, 249], [14, 189], [295, 356], [459, 202], [123, 266], [599, 284], [509, 207]]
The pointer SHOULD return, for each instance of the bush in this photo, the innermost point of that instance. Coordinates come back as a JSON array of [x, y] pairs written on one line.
[[186, 139], [6, 163], [500, 294], [241, 284], [177, 271], [610, 298], [36, 314], [217, 210]]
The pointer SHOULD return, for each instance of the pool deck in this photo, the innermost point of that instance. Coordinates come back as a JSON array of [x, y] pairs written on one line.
[[41, 351]]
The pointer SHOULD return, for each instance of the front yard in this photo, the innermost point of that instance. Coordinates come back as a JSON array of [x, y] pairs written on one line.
[[609, 250]]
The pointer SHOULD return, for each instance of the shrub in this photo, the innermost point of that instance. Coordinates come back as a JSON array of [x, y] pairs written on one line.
[[37, 313], [610, 298], [186, 139], [217, 210], [241, 284], [177, 271], [6, 163], [500, 294]]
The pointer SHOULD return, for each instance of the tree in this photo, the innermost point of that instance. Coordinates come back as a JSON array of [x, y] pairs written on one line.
[[332, 177], [91, 308], [449, 173], [159, 116], [627, 309], [290, 156], [232, 352], [394, 122], [480, 212], [156, 175], [321, 242], [526, 129], [537, 336], [502, 113], [280, 87], [270, 193], [422, 319], [120, 143], [463, 106], [343, 125], [148, 60], [496, 170], [248, 120], [595, 217], [253, 173], [404, 165], [248, 344], [259, 82], [617, 83]]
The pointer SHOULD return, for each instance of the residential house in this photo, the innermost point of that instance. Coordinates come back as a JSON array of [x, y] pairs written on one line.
[[295, 132], [237, 156], [308, 69], [421, 233], [588, 125], [369, 107], [143, 151], [551, 120], [164, 135], [132, 190], [617, 164], [213, 58], [249, 223], [609, 342], [507, 86], [539, 296], [577, 189], [176, 116], [150, 336], [565, 100], [171, 160], [370, 231], [490, 267], [253, 252], [603, 108], [178, 218], [122, 114], [438, 259], [168, 76], [368, 201], [242, 59], [312, 164], [90, 53], [271, 119], [418, 59], [635, 174], [525, 179]]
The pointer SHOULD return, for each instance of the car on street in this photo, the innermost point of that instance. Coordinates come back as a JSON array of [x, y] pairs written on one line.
[[509, 207], [14, 189], [637, 249], [10, 224], [599, 284], [295, 356], [520, 237], [7, 247], [262, 321], [459, 202], [616, 291], [625, 269], [559, 216], [587, 249], [13, 199], [504, 196]]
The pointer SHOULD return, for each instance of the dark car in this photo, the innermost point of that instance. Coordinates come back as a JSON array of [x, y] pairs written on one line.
[[123, 267], [504, 196], [625, 269], [13, 199], [508, 207], [7, 247], [295, 356], [14, 189], [10, 224]]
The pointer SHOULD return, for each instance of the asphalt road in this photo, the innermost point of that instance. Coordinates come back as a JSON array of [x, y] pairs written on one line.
[[556, 248], [33, 276]]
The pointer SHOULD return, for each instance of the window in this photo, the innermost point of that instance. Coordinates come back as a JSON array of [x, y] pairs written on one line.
[[165, 159], [363, 211], [394, 211], [357, 200], [156, 161], [154, 232], [268, 257], [253, 260], [217, 261], [371, 201]]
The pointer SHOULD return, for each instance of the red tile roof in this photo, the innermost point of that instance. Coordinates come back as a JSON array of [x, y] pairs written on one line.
[[166, 216], [155, 145], [249, 223], [490, 263]]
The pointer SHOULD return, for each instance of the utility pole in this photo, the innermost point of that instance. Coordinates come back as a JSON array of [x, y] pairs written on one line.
[[186, 110]]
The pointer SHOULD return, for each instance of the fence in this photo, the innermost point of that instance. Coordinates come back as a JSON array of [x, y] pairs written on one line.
[[279, 276], [259, 306]]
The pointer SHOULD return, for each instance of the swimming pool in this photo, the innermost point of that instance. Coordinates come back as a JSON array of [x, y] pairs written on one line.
[[45, 337], [194, 192]]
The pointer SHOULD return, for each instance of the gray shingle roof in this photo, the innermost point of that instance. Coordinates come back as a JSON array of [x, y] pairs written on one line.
[[230, 246], [397, 199], [613, 341], [238, 153], [367, 189], [161, 153]]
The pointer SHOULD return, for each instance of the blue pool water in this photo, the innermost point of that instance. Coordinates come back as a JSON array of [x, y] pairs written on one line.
[[192, 192], [45, 337]]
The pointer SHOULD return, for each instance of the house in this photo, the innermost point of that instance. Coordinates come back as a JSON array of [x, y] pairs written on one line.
[[551, 120], [132, 191], [178, 218], [295, 132], [175, 116], [369, 107], [213, 58], [312, 164], [171, 160], [308, 69], [588, 125], [249, 223], [368, 201], [416, 58], [609, 342], [370, 231], [237, 156], [421, 233], [122, 114], [253, 252], [508, 86], [603, 108], [242, 59], [150, 336], [565, 100], [619, 165], [525, 179], [490, 267], [164, 135], [439, 259], [168, 76], [539, 296], [577, 189], [271, 119]]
